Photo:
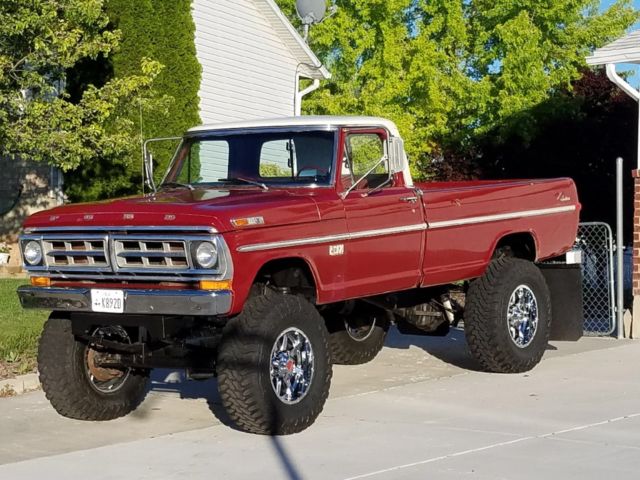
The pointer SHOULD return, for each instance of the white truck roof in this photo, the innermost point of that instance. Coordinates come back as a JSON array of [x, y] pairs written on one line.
[[303, 121]]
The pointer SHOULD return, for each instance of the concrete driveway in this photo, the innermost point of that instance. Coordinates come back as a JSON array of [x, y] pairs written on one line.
[[420, 410]]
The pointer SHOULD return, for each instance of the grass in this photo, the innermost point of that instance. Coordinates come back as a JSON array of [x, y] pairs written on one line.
[[19, 331]]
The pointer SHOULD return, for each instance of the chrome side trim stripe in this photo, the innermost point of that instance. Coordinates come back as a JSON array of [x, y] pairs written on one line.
[[388, 231], [332, 238], [405, 229], [501, 216]]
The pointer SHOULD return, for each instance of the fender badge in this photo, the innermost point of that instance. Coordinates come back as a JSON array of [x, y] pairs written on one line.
[[247, 221], [128, 216], [336, 250], [169, 217], [88, 217], [563, 198]]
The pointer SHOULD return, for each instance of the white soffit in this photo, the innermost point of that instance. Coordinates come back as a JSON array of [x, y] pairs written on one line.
[[292, 39], [623, 50]]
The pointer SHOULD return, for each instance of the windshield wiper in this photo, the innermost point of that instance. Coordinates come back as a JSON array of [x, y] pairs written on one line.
[[177, 184], [244, 180]]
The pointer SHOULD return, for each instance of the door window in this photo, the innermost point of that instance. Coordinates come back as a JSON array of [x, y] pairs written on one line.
[[365, 162]]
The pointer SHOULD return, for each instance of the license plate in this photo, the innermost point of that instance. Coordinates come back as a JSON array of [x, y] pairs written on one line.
[[107, 301]]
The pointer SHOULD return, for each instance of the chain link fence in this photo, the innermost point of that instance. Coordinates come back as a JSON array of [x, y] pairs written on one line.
[[595, 241]]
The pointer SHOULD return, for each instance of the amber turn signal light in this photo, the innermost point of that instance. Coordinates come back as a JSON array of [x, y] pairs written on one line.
[[215, 285], [41, 281]]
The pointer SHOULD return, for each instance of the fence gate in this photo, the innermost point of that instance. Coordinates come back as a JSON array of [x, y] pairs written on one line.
[[595, 240]]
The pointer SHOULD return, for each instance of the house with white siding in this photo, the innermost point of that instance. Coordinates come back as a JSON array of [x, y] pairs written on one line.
[[252, 61]]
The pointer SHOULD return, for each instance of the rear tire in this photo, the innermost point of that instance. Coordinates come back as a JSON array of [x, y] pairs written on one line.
[[356, 337], [67, 382], [278, 341], [508, 316]]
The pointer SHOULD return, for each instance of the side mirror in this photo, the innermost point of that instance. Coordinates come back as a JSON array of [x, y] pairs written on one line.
[[148, 169], [396, 154], [147, 160]]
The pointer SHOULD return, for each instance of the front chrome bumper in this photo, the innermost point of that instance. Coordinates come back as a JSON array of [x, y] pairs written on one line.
[[157, 302]]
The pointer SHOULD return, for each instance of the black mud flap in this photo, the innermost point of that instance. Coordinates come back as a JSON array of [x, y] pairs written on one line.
[[565, 285]]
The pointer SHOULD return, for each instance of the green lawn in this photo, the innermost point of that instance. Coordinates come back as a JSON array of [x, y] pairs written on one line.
[[19, 329]]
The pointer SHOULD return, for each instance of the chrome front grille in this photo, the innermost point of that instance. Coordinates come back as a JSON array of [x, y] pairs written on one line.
[[74, 252], [150, 253], [130, 253]]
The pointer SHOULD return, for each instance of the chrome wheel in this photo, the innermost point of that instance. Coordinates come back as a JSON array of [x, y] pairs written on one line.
[[292, 366], [522, 316], [106, 380], [360, 329]]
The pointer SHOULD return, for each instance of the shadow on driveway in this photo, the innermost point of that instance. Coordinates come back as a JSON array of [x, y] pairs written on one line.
[[451, 349]]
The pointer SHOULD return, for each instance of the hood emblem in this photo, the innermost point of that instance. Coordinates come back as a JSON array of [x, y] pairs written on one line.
[[247, 221]]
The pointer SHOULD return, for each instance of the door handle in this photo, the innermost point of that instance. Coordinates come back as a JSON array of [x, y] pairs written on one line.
[[409, 199]]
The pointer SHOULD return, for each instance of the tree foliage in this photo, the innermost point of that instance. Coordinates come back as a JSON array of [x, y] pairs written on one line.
[[40, 41], [164, 31], [588, 128], [449, 71]]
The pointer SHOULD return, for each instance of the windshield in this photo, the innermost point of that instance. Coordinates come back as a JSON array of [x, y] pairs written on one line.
[[255, 159]]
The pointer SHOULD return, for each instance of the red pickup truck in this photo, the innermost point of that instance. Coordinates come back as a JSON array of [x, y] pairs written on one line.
[[273, 249]]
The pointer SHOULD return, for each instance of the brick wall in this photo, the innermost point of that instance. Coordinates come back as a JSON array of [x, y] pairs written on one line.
[[636, 233]]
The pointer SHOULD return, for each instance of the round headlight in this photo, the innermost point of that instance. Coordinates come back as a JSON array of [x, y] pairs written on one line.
[[32, 253], [206, 255]]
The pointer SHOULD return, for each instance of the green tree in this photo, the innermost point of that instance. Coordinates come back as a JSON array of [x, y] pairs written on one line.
[[449, 71], [40, 41], [164, 31]]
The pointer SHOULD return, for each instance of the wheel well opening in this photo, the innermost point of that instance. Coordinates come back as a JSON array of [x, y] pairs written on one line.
[[289, 274], [520, 245]]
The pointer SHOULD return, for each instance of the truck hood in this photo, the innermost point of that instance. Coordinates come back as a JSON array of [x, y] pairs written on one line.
[[202, 207]]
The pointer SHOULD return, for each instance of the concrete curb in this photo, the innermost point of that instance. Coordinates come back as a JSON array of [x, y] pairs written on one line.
[[19, 385]]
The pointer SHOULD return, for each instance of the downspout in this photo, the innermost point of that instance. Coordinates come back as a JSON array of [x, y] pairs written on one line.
[[635, 94], [629, 90], [297, 104]]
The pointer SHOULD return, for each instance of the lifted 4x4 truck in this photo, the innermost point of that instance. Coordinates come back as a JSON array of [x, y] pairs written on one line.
[[274, 249]]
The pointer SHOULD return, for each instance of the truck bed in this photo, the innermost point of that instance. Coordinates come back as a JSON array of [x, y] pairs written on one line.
[[467, 219]]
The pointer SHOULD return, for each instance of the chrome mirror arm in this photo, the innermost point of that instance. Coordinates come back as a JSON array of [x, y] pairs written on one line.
[[379, 187], [348, 191], [147, 159]]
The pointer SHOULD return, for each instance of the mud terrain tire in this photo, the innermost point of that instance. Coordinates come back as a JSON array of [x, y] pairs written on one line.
[[357, 337], [490, 304], [245, 364], [62, 363]]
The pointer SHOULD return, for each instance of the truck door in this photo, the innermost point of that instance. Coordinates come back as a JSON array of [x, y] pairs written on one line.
[[384, 218]]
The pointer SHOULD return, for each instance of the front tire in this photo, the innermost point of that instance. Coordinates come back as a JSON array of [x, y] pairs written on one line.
[[508, 316], [274, 365], [75, 386]]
